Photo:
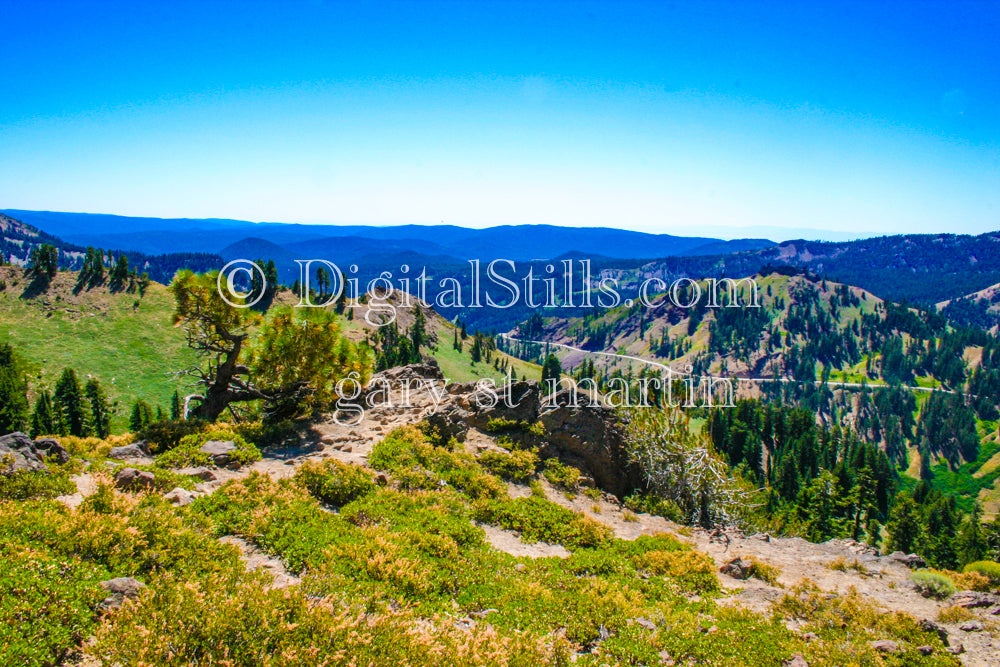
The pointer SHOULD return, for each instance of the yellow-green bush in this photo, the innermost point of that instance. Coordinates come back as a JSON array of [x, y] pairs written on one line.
[[518, 465], [334, 482]]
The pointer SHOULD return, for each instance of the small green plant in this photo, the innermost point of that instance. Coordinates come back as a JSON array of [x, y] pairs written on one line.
[[542, 520], [592, 493], [932, 584], [765, 572], [560, 474], [955, 614], [649, 503], [165, 435], [334, 482], [843, 565], [518, 465], [537, 490]]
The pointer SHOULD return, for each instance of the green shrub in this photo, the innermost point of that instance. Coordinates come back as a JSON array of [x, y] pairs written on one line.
[[538, 519], [186, 452], [649, 503], [165, 435], [46, 605], [766, 573], [560, 474], [518, 465], [35, 484], [932, 584], [986, 567], [267, 435], [334, 482]]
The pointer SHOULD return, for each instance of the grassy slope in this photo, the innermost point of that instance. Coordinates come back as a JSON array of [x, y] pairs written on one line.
[[131, 346], [128, 343]]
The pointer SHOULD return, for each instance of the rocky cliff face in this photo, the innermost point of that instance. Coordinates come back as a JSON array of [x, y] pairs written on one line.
[[584, 434]]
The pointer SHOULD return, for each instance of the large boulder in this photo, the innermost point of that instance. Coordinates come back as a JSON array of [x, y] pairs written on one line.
[[130, 479], [19, 454], [47, 447], [219, 451], [137, 450]]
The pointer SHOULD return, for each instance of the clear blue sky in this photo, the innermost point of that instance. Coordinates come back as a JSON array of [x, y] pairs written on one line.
[[661, 116]]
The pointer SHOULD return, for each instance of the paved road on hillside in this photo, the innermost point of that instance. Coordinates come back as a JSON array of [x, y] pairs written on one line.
[[670, 370]]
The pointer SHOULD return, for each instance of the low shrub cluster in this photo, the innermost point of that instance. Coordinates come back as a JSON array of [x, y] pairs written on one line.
[[334, 482], [542, 520], [560, 474], [186, 452], [933, 584], [518, 465], [990, 569]]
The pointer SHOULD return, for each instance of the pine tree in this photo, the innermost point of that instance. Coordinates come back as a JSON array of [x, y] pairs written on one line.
[[100, 410], [418, 336], [175, 406], [551, 369], [44, 420], [141, 417], [70, 405], [905, 527], [13, 391]]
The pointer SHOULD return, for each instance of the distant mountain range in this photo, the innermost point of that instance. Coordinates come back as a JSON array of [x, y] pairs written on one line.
[[919, 268], [354, 242]]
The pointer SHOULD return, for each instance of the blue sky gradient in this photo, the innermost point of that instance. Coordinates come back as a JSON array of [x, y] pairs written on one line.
[[715, 118]]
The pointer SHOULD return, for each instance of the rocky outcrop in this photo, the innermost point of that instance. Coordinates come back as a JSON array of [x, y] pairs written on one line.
[[737, 569], [219, 451], [585, 434], [130, 479], [19, 454], [595, 434], [137, 450], [49, 448], [179, 496], [912, 561]]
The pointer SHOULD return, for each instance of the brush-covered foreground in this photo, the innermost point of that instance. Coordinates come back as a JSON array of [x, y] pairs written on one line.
[[395, 569]]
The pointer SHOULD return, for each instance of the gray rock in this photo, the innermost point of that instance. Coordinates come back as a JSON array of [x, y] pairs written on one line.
[[202, 473], [645, 623], [912, 561], [47, 447], [973, 599], [971, 626], [885, 646], [957, 649], [179, 496], [120, 589], [930, 626], [18, 454], [925, 650], [736, 568], [130, 479], [795, 661], [125, 452], [220, 451]]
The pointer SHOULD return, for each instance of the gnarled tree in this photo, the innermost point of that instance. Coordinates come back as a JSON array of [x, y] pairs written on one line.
[[288, 360]]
